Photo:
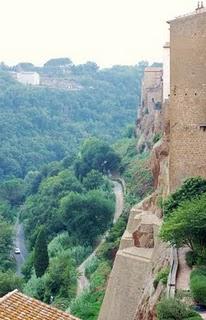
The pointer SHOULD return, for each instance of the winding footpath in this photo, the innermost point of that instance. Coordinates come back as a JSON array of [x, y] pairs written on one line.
[[83, 282]]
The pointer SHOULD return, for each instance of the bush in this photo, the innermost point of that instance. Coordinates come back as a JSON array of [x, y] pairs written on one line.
[[174, 309], [157, 137], [187, 226], [91, 266], [198, 285], [191, 258], [161, 276], [9, 281], [190, 189]]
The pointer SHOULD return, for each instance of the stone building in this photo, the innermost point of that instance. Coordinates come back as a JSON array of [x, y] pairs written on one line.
[[187, 109], [180, 154], [166, 71], [151, 106], [26, 77]]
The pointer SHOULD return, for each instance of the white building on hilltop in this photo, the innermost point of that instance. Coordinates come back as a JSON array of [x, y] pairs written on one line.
[[31, 78]]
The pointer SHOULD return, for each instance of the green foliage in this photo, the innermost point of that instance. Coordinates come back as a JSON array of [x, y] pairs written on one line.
[[62, 242], [91, 266], [198, 285], [8, 282], [191, 188], [59, 282], [6, 245], [87, 215], [130, 131], [161, 276], [187, 225], [191, 258], [157, 137], [12, 191], [41, 258], [173, 309], [36, 122], [35, 287], [109, 248], [43, 207], [58, 62], [96, 155], [88, 304], [28, 266], [7, 213], [93, 180]]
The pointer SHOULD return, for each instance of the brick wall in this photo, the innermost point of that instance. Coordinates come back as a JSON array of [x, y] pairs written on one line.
[[187, 99]]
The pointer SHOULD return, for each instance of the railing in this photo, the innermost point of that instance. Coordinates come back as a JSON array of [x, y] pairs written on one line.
[[171, 283], [198, 10]]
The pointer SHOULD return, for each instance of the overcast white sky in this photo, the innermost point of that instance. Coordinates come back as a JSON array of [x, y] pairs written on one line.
[[106, 31]]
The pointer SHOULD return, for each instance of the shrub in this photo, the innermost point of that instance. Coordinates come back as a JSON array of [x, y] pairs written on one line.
[[174, 309], [198, 285], [190, 189], [91, 266], [157, 137], [9, 281], [187, 226], [191, 258], [161, 276]]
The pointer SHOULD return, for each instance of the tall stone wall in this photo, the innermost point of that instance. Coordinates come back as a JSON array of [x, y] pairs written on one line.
[[149, 114], [187, 98], [137, 260]]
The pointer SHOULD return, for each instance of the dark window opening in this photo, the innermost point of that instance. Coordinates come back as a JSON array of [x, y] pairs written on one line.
[[203, 127]]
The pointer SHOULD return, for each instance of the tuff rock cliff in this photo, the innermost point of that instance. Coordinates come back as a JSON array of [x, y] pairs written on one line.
[[130, 293]]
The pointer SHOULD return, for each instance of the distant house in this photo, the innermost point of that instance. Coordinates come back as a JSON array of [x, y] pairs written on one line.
[[28, 77], [16, 305]]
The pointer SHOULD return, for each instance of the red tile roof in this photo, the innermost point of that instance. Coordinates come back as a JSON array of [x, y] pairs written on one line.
[[17, 306]]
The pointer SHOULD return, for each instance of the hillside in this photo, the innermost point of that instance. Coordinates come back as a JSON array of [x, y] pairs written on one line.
[[40, 124]]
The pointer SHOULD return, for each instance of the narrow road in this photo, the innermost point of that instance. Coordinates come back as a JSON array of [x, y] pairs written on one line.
[[19, 242], [83, 282]]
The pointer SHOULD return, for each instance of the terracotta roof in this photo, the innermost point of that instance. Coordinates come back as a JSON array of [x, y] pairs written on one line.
[[17, 306]]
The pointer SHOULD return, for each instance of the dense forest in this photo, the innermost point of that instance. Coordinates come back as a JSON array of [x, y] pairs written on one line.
[[40, 125], [59, 150]]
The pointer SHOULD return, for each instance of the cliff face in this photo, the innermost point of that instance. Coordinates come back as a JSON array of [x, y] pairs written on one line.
[[130, 293]]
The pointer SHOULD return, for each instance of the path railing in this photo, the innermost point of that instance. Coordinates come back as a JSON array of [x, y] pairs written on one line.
[[171, 283]]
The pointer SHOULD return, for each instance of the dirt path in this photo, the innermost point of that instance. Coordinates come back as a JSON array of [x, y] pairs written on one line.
[[183, 275], [83, 282], [19, 242]]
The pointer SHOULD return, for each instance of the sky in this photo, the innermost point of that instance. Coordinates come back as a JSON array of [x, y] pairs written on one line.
[[108, 32]]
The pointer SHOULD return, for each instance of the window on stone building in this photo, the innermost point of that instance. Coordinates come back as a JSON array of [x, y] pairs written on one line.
[[203, 127]]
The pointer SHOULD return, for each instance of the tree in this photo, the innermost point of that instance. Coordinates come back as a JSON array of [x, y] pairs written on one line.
[[12, 191], [58, 62], [191, 188], [86, 215], [97, 155], [8, 282], [187, 225], [174, 309], [41, 257], [6, 244], [93, 180]]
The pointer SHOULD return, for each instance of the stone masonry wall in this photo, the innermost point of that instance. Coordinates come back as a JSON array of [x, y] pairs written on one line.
[[188, 99]]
